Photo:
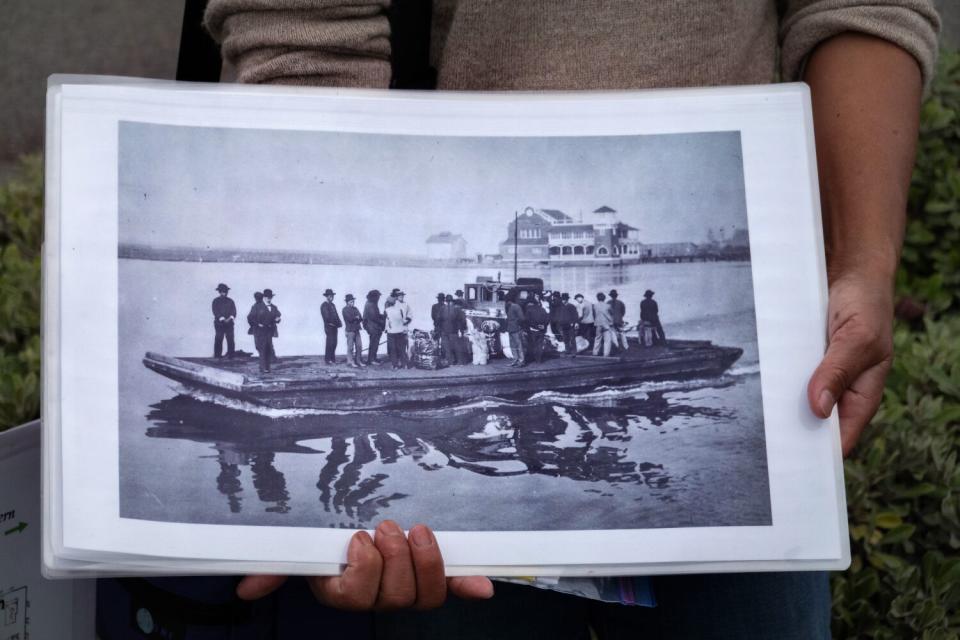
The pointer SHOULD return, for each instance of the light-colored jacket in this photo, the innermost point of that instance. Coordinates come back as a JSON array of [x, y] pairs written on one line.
[[395, 319], [602, 314], [586, 313]]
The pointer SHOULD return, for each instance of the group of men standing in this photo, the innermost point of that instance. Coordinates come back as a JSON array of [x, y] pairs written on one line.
[[264, 316], [601, 324], [450, 327], [394, 320]]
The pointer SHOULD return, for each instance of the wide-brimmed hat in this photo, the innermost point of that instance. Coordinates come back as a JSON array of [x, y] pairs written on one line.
[[267, 293], [329, 292], [613, 292], [441, 296], [349, 298], [459, 292], [223, 287], [394, 291], [565, 296], [648, 294], [400, 293], [579, 295]]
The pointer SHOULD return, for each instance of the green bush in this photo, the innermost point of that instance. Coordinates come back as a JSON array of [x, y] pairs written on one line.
[[21, 224], [930, 265], [903, 495], [903, 483]]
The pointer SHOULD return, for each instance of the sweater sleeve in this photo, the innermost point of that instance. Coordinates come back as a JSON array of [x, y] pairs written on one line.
[[334, 43], [913, 25]]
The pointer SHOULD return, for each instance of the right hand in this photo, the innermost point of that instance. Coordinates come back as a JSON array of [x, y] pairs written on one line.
[[384, 573]]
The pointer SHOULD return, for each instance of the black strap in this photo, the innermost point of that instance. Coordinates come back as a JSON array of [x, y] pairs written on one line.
[[410, 44], [199, 57]]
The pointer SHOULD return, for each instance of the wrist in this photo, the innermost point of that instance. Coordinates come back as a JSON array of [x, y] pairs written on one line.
[[877, 263]]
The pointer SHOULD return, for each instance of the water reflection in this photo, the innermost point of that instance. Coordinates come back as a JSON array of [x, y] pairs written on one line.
[[584, 442]]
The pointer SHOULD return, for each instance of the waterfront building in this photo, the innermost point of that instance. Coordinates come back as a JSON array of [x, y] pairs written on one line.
[[533, 227], [446, 246], [601, 238]]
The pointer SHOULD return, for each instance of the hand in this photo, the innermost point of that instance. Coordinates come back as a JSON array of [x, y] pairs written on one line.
[[859, 353], [384, 573]]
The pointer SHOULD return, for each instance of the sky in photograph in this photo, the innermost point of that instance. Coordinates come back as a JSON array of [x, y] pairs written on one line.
[[319, 191]]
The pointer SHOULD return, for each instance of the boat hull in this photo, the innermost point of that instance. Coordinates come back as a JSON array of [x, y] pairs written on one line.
[[304, 382]]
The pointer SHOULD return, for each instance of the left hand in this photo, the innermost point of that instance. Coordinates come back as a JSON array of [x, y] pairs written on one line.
[[859, 353]]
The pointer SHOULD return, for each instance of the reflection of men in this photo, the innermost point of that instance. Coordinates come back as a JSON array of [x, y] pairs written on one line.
[[263, 319], [224, 314], [331, 326], [374, 324], [650, 316]]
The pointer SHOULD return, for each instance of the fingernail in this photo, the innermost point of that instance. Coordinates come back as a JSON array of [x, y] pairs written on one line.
[[363, 538], [488, 592], [421, 536], [826, 402], [390, 528]]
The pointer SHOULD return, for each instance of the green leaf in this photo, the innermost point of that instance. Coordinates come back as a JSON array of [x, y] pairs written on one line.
[[888, 520]]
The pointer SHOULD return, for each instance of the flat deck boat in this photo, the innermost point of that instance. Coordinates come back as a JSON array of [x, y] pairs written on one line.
[[306, 382]]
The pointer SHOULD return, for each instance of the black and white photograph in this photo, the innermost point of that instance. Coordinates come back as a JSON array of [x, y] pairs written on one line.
[[328, 328]]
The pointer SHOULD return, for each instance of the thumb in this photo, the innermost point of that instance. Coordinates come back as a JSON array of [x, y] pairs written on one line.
[[471, 587], [854, 348], [256, 587]]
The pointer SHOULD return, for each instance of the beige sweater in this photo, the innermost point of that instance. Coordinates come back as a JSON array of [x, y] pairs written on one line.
[[559, 44]]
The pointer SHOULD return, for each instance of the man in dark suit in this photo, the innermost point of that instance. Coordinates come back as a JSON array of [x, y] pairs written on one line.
[[352, 320], [650, 316], [374, 324], [537, 320], [263, 318], [569, 317], [452, 321], [331, 326], [224, 315], [618, 310], [436, 312]]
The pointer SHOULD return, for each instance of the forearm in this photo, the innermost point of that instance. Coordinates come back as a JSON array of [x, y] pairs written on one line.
[[336, 43], [866, 103]]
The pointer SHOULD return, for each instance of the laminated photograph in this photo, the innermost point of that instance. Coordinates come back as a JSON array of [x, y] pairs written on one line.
[[571, 332]]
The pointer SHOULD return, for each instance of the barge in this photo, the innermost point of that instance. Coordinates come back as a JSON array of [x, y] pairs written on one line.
[[306, 382]]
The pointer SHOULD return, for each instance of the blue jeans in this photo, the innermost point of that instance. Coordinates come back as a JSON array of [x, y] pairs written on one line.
[[747, 606]]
